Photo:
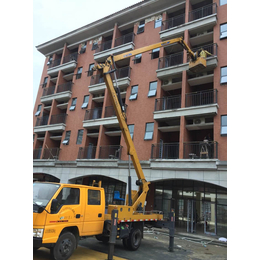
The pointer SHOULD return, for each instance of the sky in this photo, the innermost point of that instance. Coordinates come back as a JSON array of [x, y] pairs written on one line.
[[53, 18]]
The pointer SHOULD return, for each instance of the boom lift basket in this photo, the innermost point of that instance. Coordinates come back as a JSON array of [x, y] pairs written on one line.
[[197, 65]]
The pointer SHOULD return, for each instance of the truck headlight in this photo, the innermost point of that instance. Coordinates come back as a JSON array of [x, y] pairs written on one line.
[[37, 232]]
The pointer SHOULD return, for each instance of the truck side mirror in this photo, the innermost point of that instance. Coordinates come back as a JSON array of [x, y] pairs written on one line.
[[54, 205]]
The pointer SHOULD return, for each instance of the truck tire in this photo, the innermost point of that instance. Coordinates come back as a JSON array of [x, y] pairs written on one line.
[[64, 247], [135, 239], [125, 243]]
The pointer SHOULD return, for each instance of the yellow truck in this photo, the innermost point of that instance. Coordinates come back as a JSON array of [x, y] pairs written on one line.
[[65, 213]]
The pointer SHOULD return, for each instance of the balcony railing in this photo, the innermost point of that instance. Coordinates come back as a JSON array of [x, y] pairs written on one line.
[[203, 12], [54, 63], [172, 22], [58, 119], [64, 87], [37, 153], [211, 48], [200, 150], [110, 152], [93, 113], [48, 91], [165, 151], [110, 111], [87, 152], [201, 98], [165, 103], [70, 57], [124, 39], [42, 120], [170, 60], [51, 153], [96, 79], [104, 46]]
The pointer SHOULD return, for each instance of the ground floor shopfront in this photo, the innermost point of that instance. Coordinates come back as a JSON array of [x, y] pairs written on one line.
[[200, 205]]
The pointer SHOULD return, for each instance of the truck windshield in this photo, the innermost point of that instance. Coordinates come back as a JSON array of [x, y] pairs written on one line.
[[42, 193]]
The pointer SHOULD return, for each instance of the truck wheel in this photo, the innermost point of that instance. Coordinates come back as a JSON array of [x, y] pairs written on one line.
[[134, 240], [125, 243], [64, 247]]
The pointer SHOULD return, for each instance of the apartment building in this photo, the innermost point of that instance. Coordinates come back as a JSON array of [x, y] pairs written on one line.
[[177, 118]]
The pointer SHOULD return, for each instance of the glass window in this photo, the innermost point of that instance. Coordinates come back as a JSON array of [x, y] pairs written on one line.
[[83, 48], [223, 130], [45, 82], [137, 58], [152, 89], [67, 138], [94, 46], [80, 136], [158, 23], [223, 75], [131, 130], [38, 110], [134, 92], [78, 75], [223, 31], [222, 2], [155, 53], [94, 197], [141, 27], [149, 131], [73, 104], [85, 102], [90, 71]]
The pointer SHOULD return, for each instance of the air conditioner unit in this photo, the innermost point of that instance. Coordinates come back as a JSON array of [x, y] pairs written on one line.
[[198, 121]]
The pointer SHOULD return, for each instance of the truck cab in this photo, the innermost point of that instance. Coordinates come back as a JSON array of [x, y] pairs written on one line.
[[62, 213]]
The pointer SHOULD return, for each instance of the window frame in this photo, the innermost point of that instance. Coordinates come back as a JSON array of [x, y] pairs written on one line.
[[79, 73], [85, 102], [152, 92], [131, 130], [67, 138], [39, 108], [147, 134], [73, 104], [133, 95], [222, 2], [220, 32], [90, 71], [94, 46], [156, 23], [154, 53], [141, 27], [223, 76], [80, 136], [138, 58], [223, 127], [94, 204]]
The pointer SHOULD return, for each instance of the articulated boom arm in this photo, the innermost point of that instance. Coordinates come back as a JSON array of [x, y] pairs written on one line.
[[107, 68]]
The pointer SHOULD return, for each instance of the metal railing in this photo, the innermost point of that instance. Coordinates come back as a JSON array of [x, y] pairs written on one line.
[[211, 48], [94, 113], [124, 39], [110, 111], [87, 152], [104, 46], [170, 60], [37, 153], [64, 87], [200, 150], [172, 22], [165, 151], [96, 79], [165, 103], [70, 57], [122, 73], [110, 152], [58, 119], [54, 63], [201, 98], [51, 153], [42, 120], [202, 12], [48, 91]]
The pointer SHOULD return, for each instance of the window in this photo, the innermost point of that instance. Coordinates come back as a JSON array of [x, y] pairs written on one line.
[[152, 89], [83, 48], [85, 102], [90, 71], [67, 138], [134, 92], [94, 46], [131, 130], [222, 2], [94, 197], [223, 75], [149, 131], [73, 104], [155, 53], [223, 130], [80, 136], [78, 75], [50, 60], [223, 31], [137, 58], [38, 110], [141, 27], [158, 23], [45, 82]]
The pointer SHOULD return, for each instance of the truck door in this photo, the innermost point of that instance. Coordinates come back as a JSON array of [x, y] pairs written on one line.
[[94, 212]]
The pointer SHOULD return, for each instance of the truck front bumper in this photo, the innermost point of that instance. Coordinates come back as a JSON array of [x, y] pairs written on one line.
[[37, 242]]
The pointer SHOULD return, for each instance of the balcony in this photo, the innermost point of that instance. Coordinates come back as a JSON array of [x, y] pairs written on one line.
[[68, 65], [122, 44], [165, 103], [200, 150], [165, 151], [51, 153], [63, 93], [88, 152], [110, 152], [98, 86], [172, 65], [57, 124], [205, 16], [201, 103]]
